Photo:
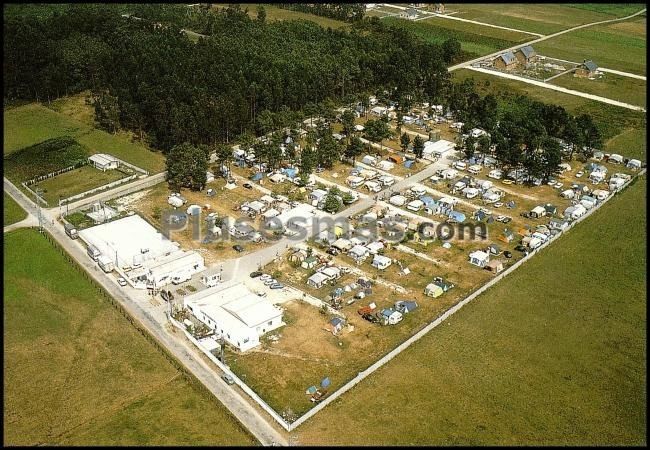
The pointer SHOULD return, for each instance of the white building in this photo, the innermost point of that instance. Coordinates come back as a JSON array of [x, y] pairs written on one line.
[[433, 150], [235, 313], [104, 162], [174, 268]]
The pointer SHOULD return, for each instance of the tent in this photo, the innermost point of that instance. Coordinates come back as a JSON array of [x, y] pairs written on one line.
[[408, 164], [433, 290], [311, 390], [325, 383], [258, 176]]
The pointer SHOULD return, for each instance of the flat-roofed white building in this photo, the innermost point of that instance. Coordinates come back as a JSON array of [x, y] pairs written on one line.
[[132, 243], [234, 312], [104, 162]]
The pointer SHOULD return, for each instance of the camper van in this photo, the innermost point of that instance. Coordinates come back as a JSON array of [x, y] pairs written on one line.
[[71, 231], [93, 252], [211, 280], [106, 263]]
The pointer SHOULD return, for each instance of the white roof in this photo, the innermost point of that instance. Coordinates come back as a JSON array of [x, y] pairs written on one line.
[[170, 265], [381, 259], [330, 271], [538, 210], [416, 204], [127, 237], [354, 179], [267, 199], [342, 243], [385, 165], [234, 304], [102, 158], [303, 211], [480, 255], [372, 184], [318, 278], [256, 205], [358, 250], [374, 246], [440, 147], [397, 200], [277, 177], [318, 193], [271, 213]]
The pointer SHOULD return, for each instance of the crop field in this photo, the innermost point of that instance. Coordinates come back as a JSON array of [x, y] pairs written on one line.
[[475, 40], [612, 120], [619, 46], [32, 124], [43, 158], [540, 18], [553, 355], [12, 211], [76, 372], [616, 87]]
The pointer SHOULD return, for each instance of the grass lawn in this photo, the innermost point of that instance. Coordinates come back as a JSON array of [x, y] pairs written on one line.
[[34, 123], [540, 18], [475, 40], [632, 141], [75, 182], [12, 211], [554, 355], [619, 46], [616, 87], [75, 371], [612, 120]]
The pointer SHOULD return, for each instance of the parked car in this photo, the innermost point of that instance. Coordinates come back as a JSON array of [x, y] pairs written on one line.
[[521, 248], [269, 282], [248, 186], [507, 254], [121, 281], [256, 274], [332, 251], [277, 286], [265, 276], [238, 248], [370, 318], [507, 181], [558, 185], [507, 219], [228, 379], [579, 174], [498, 204]]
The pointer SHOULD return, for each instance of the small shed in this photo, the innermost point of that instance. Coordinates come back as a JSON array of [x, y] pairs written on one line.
[[587, 69], [506, 61], [526, 54], [104, 162]]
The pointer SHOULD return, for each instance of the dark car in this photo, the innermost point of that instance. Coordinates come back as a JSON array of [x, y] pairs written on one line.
[[238, 248], [256, 274], [370, 318], [520, 248], [248, 186], [507, 254], [506, 219], [332, 251]]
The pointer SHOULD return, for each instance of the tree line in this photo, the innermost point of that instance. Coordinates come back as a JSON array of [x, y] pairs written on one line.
[[347, 12]]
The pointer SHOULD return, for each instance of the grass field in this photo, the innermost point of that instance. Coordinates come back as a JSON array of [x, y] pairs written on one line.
[[75, 182], [475, 40], [274, 13], [619, 46], [538, 18], [75, 371], [612, 120], [12, 211], [553, 355], [34, 123], [624, 89]]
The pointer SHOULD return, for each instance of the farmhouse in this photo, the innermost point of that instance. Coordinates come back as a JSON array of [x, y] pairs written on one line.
[[410, 14], [104, 162], [235, 313], [506, 61], [586, 70], [526, 54]]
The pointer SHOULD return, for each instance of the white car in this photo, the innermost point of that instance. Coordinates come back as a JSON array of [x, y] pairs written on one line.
[[121, 281], [265, 277], [270, 281], [579, 174], [498, 204], [558, 185]]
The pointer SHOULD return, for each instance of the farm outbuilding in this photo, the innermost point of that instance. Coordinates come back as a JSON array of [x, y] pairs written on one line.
[[587, 69], [526, 54], [235, 313], [507, 61], [104, 162]]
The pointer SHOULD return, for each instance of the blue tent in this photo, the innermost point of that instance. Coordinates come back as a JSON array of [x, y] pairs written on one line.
[[311, 390], [291, 172], [428, 201], [325, 383], [408, 164], [258, 176], [457, 216]]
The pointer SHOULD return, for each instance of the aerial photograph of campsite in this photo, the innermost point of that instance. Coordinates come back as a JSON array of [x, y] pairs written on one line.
[[324, 224]]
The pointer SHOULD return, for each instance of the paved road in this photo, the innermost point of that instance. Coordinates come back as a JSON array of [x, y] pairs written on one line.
[[558, 88], [623, 74], [153, 319], [543, 38]]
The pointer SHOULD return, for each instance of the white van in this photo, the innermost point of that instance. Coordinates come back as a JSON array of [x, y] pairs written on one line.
[[460, 165], [93, 252], [475, 169]]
